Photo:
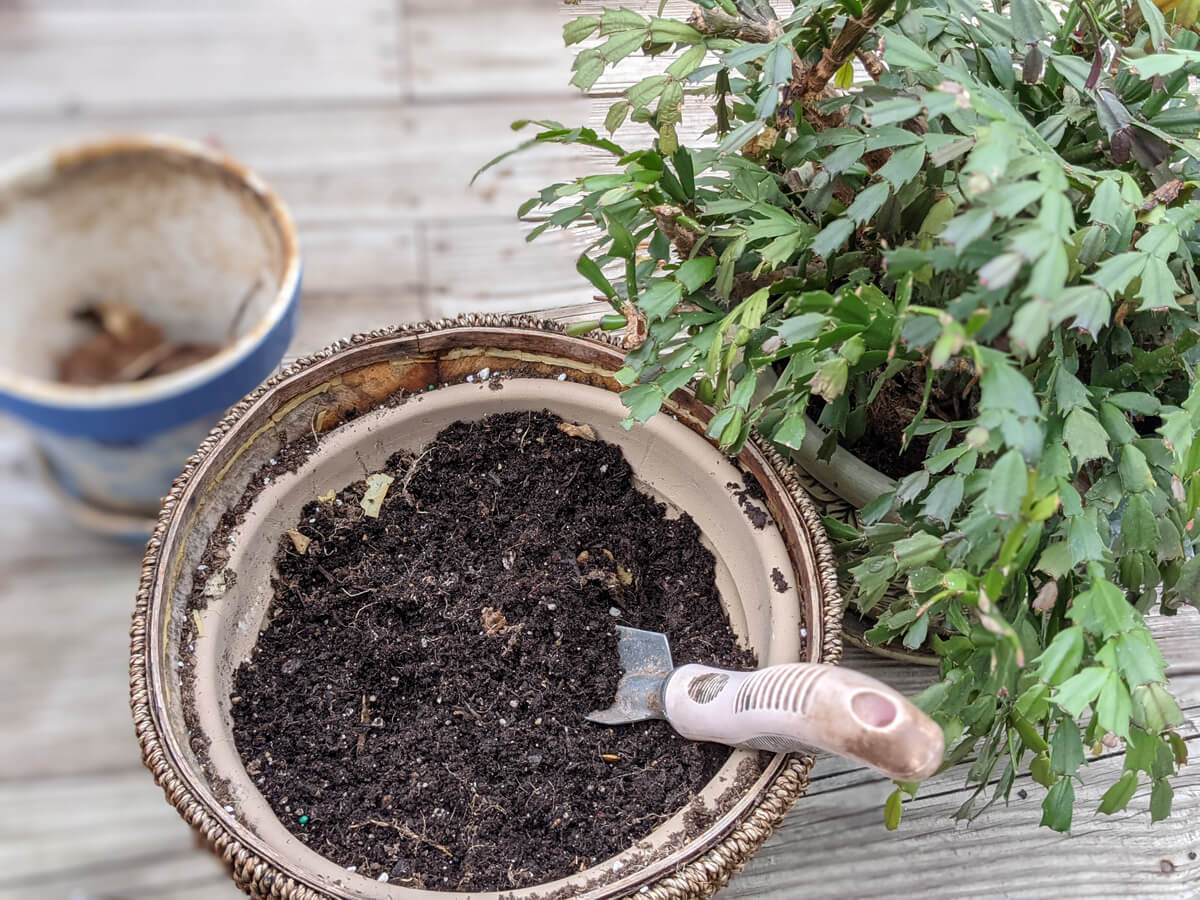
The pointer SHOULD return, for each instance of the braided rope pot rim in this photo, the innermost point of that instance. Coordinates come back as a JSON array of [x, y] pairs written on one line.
[[700, 877]]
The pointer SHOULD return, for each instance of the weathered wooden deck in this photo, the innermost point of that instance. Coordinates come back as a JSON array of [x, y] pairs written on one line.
[[369, 116]]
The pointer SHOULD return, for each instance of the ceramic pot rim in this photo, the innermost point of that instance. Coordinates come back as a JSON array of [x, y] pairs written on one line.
[[45, 166], [701, 876]]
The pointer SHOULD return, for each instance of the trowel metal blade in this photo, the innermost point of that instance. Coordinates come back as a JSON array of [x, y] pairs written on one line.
[[645, 664]]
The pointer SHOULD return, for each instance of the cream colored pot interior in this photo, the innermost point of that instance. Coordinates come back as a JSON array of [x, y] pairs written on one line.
[[197, 651]]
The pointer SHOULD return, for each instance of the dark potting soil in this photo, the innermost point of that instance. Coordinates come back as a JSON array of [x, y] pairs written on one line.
[[415, 708]]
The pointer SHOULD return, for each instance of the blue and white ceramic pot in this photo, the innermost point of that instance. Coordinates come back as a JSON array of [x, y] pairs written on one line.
[[189, 238]]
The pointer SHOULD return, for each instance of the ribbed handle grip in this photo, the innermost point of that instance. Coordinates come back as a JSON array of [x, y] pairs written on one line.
[[799, 706]]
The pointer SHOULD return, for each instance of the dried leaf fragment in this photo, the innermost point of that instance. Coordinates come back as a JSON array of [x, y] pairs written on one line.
[[377, 488], [624, 575], [299, 541], [328, 497], [493, 621], [587, 432]]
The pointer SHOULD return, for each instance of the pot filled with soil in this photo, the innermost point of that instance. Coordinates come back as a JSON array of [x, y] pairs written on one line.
[[384, 596], [153, 283]]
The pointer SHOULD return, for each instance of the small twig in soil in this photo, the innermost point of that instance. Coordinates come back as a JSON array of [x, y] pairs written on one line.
[[408, 477], [406, 831]]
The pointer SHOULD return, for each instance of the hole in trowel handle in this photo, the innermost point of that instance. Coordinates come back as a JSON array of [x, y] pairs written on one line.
[[874, 710]]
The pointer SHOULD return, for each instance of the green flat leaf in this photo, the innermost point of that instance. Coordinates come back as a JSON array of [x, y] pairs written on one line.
[[1154, 23], [904, 166], [695, 273], [791, 431], [867, 203], [1083, 539], [1159, 287], [622, 45], [672, 31], [1071, 393], [622, 240], [901, 52], [1141, 751], [1085, 437], [965, 229], [1154, 709], [1074, 694], [1006, 486], [741, 136], [1114, 707], [1134, 470], [889, 112], [918, 550], [1158, 64], [1139, 658], [944, 499], [1030, 325], [670, 105], [1056, 560], [589, 270], [1161, 796], [588, 67], [844, 77], [1027, 21], [579, 29], [1102, 610], [1115, 273], [643, 401], [1039, 770], [1066, 748], [1059, 805], [1107, 204], [688, 63], [1089, 305], [1117, 797], [1060, 660], [646, 91], [1001, 271], [660, 298], [1139, 528], [1161, 240], [617, 114], [1004, 387], [1136, 402], [893, 810], [830, 239]]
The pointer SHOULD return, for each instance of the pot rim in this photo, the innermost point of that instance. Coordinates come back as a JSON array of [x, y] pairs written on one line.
[[45, 166], [257, 868]]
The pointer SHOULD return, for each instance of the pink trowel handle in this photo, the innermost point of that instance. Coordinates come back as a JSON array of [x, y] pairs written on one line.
[[805, 705]]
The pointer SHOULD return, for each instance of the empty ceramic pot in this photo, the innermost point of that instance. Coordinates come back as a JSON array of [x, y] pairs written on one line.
[[197, 245]]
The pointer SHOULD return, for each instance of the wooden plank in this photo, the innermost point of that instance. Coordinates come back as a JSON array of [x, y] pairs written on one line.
[[110, 835], [485, 266], [357, 164], [835, 846], [139, 56]]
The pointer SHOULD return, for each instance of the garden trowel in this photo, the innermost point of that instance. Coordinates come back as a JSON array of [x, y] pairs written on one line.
[[790, 707]]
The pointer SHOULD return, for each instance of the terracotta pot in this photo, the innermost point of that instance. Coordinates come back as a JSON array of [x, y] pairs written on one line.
[[355, 404]]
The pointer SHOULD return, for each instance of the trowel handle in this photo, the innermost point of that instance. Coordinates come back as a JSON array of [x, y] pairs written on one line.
[[798, 706]]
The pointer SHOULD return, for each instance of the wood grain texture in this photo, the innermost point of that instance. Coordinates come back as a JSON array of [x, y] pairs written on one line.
[[67, 58]]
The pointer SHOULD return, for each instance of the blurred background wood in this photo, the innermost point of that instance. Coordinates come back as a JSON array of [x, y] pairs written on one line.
[[369, 117]]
